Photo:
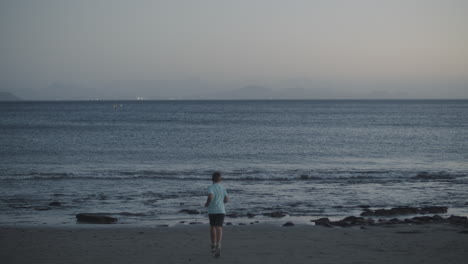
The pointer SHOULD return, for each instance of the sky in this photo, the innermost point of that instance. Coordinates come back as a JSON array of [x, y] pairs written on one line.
[[317, 49]]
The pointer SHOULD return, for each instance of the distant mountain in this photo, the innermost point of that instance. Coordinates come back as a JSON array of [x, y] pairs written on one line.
[[247, 92], [260, 92], [6, 96]]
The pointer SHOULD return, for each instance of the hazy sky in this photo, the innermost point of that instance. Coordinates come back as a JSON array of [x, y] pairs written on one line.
[[120, 48]]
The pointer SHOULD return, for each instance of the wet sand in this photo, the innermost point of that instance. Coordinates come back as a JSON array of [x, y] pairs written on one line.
[[262, 243]]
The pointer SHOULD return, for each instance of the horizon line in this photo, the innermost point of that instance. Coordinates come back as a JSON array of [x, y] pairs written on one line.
[[206, 99]]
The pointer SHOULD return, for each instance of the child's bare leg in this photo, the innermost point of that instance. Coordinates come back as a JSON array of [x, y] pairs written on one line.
[[213, 234], [219, 235]]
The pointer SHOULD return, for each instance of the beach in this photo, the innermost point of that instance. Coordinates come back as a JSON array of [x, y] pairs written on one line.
[[314, 131], [395, 167], [267, 243]]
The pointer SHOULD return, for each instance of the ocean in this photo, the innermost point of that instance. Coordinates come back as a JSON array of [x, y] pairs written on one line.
[[145, 161]]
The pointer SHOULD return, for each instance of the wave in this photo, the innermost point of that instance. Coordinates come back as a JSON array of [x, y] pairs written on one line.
[[434, 175], [244, 175]]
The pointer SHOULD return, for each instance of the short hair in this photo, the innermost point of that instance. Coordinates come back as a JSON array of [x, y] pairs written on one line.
[[216, 176]]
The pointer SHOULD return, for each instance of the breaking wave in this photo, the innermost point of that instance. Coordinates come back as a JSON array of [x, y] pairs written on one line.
[[245, 175], [435, 175]]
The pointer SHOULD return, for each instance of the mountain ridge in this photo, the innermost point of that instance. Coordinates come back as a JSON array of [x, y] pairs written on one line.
[[7, 96]]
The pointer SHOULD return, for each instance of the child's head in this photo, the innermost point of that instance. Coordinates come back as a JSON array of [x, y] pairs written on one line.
[[216, 177]]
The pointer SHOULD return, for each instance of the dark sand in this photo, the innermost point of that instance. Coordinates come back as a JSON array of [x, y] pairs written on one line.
[[262, 243]]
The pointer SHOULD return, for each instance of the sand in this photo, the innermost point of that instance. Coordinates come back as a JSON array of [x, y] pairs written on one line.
[[262, 243]]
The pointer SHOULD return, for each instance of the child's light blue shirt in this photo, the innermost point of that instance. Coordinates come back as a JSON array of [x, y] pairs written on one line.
[[217, 202]]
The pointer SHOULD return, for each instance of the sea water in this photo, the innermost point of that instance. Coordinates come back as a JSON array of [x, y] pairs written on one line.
[[145, 161]]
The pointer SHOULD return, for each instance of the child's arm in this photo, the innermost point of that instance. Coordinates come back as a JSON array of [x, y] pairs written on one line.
[[208, 200], [226, 199]]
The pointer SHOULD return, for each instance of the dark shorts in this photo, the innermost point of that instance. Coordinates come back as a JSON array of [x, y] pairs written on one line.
[[216, 219]]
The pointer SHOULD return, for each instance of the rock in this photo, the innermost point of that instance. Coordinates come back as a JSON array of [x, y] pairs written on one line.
[[423, 219], [408, 221], [416, 221], [394, 221], [345, 222], [404, 210], [341, 223], [323, 222], [426, 219], [242, 224], [382, 222], [189, 211], [408, 232], [250, 215], [453, 219], [277, 214], [182, 222], [95, 218], [354, 220], [228, 223], [434, 210], [42, 208], [351, 221], [195, 223], [55, 204], [289, 224], [163, 225], [232, 215]]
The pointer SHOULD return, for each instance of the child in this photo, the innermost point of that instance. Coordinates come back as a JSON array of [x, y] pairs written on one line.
[[217, 197]]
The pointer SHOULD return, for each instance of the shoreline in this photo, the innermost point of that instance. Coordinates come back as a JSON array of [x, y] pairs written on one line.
[[348, 221], [428, 243]]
